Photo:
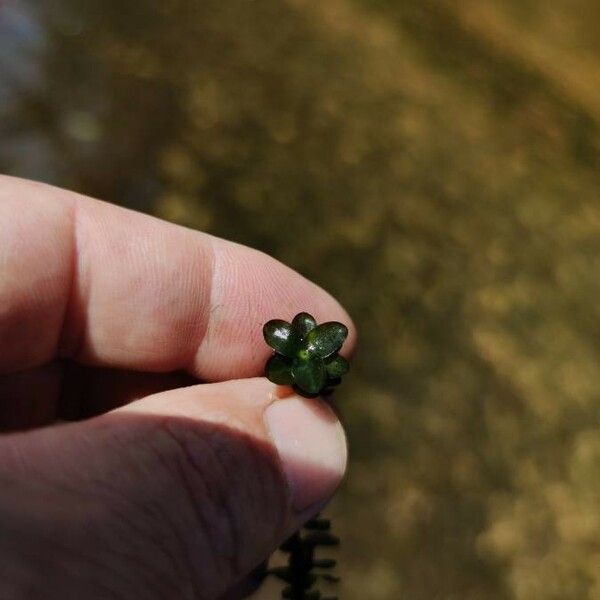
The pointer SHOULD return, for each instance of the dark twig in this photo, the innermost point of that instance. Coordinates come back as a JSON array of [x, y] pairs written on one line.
[[303, 569]]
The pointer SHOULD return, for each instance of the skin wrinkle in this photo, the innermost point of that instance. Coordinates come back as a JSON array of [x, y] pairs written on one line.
[[163, 516], [155, 580], [189, 329], [97, 487], [224, 456], [73, 557], [191, 363], [174, 528], [265, 491], [73, 278], [215, 502], [111, 494], [192, 571], [182, 460], [129, 523], [215, 306], [160, 515], [208, 444], [40, 588], [217, 498], [225, 500], [145, 439], [223, 532], [112, 549], [235, 319]]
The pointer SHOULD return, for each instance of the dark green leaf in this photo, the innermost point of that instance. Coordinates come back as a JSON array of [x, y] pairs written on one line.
[[290, 543], [303, 323], [327, 338], [324, 563], [309, 374], [329, 578], [304, 393], [278, 334], [321, 538], [337, 366], [279, 370], [283, 573], [318, 524]]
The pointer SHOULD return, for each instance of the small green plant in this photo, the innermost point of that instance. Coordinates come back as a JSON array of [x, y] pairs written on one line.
[[304, 569], [306, 354]]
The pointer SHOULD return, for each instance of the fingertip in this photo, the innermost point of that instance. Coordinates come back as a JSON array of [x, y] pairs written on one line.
[[250, 288], [312, 447]]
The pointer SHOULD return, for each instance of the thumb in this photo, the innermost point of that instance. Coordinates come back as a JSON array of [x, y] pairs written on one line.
[[186, 490]]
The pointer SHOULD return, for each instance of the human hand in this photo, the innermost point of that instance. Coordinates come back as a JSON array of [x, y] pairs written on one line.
[[167, 491]]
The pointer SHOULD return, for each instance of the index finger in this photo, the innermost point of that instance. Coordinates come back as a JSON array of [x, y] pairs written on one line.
[[107, 286]]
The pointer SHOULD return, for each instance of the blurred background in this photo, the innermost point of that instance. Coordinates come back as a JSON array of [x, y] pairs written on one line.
[[434, 164]]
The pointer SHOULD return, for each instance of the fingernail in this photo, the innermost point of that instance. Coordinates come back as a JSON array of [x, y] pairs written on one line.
[[312, 447]]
